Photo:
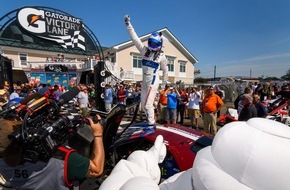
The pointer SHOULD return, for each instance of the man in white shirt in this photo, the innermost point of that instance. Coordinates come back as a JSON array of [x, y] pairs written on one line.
[[193, 106], [83, 100]]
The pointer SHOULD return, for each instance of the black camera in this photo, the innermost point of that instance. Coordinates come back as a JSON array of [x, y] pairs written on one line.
[[44, 128]]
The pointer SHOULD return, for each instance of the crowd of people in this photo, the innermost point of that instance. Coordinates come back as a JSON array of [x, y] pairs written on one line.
[[252, 100], [172, 104]]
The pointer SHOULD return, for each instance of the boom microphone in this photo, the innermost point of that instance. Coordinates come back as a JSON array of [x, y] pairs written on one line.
[[68, 96]]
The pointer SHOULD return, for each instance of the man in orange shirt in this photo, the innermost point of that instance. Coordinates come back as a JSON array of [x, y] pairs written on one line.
[[211, 104]]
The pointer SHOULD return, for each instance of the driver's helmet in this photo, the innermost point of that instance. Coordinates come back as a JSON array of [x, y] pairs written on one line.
[[155, 41]]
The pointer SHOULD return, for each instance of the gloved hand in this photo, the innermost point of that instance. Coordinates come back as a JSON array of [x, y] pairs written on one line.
[[127, 19]]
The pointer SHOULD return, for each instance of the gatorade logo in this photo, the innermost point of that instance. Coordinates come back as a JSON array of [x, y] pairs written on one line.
[[61, 28]]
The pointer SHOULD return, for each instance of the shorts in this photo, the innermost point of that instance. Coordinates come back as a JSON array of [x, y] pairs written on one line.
[[195, 113], [171, 114], [84, 111]]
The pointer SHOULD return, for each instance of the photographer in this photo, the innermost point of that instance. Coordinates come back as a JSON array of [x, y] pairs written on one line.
[[57, 173]]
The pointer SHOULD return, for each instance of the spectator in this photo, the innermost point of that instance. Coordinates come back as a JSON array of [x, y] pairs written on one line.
[[43, 89], [187, 91], [261, 109], [240, 88], [249, 110], [121, 95], [57, 92], [221, 94], [108, 98], [182, 101], [264, 92], [163, 104], [193, 107], [238, 101], [254, 86], [211, 104], [3, 98], [16, 93], [172, 96], [129, 95], [83, 100]]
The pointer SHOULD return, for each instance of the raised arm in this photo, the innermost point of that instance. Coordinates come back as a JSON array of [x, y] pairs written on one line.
[[164, 68], [139, 45]]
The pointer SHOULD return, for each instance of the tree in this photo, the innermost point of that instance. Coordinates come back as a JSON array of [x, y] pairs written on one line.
[[200, 80], [287, 76], [270, 78]]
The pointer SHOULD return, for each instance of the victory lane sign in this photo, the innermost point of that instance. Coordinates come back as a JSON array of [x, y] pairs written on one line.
[[63, 29]]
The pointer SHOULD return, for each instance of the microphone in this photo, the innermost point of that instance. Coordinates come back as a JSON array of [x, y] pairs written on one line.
[[68, 96]]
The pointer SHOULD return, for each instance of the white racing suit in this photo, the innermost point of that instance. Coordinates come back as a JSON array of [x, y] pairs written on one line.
[[151, 60]]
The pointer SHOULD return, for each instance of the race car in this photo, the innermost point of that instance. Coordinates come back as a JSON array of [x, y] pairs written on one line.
[[124, 134]]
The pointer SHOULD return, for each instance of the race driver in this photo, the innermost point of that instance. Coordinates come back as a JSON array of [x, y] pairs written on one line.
[[152, 58]]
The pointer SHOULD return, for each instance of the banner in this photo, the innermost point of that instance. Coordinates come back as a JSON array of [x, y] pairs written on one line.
[[66, 30]]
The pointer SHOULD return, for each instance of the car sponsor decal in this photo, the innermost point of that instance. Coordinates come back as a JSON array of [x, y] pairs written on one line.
[[179, 132]]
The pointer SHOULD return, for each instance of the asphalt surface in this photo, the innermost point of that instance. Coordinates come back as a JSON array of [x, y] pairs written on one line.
[[186, 121]]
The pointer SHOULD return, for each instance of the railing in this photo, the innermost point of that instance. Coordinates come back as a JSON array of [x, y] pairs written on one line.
[[123, 75], [88, 65], [41, 65]]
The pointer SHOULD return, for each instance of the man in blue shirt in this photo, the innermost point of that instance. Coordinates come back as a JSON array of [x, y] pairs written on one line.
[[108, 98], [172, 97]]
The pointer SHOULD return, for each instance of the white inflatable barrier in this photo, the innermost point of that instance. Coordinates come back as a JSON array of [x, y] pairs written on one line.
[[252, 155], [245, 155], [140, 165]]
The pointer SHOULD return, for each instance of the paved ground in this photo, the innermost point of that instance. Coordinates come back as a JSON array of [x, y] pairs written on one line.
[[200, 123]]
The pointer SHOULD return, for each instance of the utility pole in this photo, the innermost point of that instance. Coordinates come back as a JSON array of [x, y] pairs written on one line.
[[251, 73], [214, 73]]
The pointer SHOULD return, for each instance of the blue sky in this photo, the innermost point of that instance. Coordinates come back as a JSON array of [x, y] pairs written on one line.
[[239, 37]]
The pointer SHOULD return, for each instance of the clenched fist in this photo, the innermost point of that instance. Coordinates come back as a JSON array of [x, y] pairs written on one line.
[[127, 19]]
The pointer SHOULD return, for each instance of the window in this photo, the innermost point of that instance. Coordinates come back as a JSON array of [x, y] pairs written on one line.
[[23, 59], [182, 68], [170, 63], [137, 61]]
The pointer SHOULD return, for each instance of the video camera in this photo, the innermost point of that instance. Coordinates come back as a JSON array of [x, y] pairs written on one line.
[[44, 128]]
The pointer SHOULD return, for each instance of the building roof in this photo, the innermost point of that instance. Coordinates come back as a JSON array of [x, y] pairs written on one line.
[[167, 34]]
